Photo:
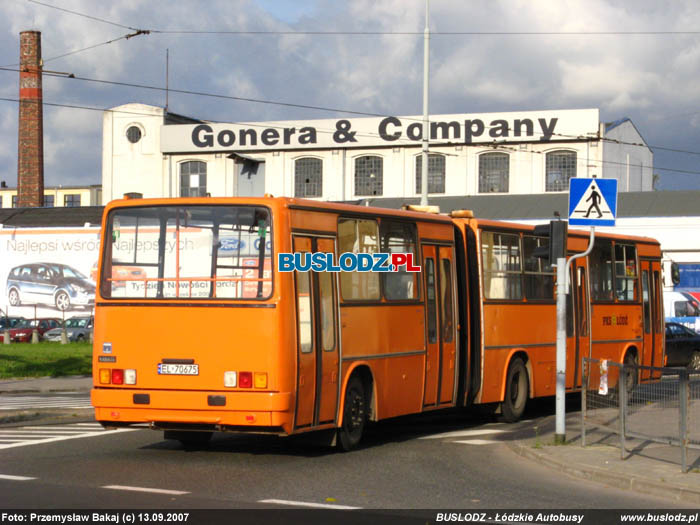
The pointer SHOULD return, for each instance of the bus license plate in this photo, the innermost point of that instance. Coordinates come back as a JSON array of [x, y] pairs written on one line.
[[178, 370]]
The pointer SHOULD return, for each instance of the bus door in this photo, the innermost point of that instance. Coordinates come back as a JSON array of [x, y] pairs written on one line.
[[440, 365], [317, 343], [651, 316], [578, 324]]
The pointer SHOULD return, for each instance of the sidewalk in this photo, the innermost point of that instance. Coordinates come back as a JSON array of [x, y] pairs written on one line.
[[649, 468], [46, 384]]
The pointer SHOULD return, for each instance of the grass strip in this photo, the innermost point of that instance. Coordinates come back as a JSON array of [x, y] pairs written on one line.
[[19, 360]]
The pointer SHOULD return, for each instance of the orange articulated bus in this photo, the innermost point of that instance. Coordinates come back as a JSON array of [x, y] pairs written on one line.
[[614, 310], [208, 335]]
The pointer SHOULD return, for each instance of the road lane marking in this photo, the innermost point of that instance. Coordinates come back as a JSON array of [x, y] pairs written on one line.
[[15, 478], [41, 441], [465, 433], [476, 442], [31, 402], [307, 504], [146, 489]]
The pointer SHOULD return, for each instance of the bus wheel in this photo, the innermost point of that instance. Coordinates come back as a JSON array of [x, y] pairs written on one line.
[[354, 415], [188, 438], [631, 377], [517, 386]]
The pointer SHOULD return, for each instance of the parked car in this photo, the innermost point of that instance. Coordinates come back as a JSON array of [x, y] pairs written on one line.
[[77, 329], [51, 284], [22, 332], [10, 322], [682, 346]]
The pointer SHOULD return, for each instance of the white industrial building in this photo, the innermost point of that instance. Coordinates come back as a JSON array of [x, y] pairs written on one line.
[[160, 154]]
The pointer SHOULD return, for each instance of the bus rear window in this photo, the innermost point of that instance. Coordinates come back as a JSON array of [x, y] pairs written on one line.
[[188, 252]]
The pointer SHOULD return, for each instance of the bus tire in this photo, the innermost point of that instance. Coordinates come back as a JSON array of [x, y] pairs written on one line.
[[354, 415], [188, 438], [517, 388], [631, 378]]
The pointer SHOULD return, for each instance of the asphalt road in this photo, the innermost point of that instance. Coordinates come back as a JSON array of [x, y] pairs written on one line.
[[442, 461]]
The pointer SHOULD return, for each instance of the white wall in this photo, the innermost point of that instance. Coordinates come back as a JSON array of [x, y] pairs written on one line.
[[141, 167], [632, 166]]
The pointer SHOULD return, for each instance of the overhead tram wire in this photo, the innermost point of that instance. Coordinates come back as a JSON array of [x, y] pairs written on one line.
[[319, 108], [204, 94], [103, 110], [97, 19], [420, 33], [368, 33]]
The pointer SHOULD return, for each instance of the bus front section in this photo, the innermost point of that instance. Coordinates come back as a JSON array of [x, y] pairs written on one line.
[[188, 321]]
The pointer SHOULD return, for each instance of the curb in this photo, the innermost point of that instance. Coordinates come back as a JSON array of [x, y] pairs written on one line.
[[641, 485], [41, 416]]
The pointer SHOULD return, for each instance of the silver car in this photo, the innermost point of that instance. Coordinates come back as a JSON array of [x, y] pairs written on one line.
[[77, 329]]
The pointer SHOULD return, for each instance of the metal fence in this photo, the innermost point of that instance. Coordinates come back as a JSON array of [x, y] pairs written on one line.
[[658, 404]]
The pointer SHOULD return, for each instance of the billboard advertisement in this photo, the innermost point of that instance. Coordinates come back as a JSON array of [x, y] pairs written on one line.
[[48, 272]]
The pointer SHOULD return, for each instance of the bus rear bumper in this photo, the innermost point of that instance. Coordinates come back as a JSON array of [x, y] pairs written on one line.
[[181, 409]]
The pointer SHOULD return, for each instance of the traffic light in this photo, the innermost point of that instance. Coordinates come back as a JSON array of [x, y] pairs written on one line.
[[556, 233]]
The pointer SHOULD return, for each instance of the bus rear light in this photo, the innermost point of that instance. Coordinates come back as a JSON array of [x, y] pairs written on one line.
[[130, 376], [105, 376], [245, 379], [230, 379], [260, 380], [117, 376]]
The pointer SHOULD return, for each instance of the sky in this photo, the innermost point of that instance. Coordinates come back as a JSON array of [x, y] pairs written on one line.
[[629, 58]]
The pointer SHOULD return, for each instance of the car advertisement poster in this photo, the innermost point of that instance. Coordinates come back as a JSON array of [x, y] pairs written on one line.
[[48, 272]]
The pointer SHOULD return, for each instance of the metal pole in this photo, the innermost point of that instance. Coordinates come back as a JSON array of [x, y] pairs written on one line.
[[683, 418], [562, 286], [426, 130], [622, 390], [560, 431], [584, 393]]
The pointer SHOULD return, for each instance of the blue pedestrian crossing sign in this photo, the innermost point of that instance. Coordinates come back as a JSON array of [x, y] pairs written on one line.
[[592, 202]]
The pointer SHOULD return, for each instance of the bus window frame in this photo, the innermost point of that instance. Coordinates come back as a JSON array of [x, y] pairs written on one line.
[[382, 300], [613, 244], [521, 234], [416, 276], [106, 255]]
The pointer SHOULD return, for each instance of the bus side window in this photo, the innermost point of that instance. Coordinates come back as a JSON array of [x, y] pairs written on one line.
[[446, 300], [358, 236], [430, 298], [399, 237], [304, 311]]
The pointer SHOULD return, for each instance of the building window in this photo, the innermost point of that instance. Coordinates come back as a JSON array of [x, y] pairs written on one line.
[[493, 172], [436, 173], [49, 201], [561, 167], [133, 134], [369, 175], [14, 201], [308, 178], [71, 200], [193, 179]]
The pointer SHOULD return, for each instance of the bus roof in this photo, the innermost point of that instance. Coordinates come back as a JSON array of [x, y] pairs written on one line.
[[490, 223], [286, 202]]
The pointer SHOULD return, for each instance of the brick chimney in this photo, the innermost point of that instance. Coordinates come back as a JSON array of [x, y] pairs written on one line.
[[30, 158]]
